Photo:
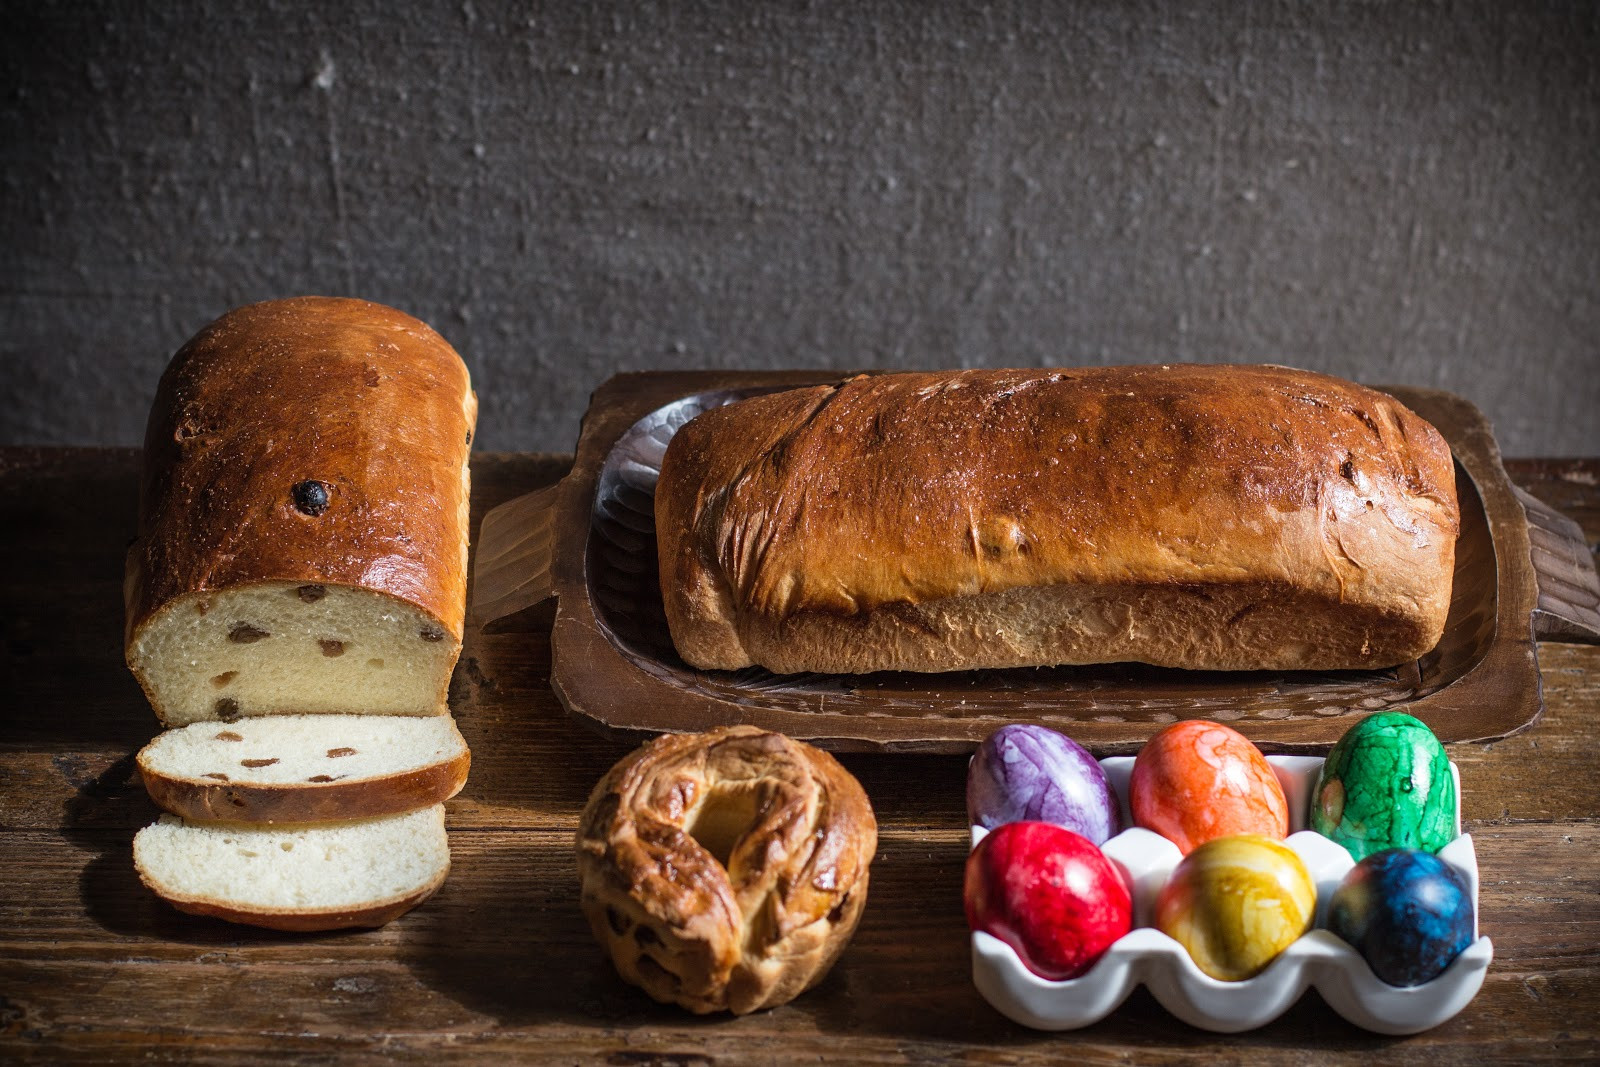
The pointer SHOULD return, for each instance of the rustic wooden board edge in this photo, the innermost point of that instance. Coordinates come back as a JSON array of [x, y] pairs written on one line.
[[1510, 668], [582, 643], [1569, 587]]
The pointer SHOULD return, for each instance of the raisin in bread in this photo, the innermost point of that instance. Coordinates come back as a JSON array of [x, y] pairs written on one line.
[[305, 768], [303, 517], [328, 876]]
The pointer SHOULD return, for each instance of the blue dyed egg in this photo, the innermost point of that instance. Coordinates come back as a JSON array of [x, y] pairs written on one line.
[[1407, 912]]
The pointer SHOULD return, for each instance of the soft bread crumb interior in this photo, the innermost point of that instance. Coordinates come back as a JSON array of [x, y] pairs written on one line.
[[292, 749], [283, 648], [329, 866]]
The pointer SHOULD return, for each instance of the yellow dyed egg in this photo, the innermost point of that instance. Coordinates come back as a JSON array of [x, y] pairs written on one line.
[[1235, 903]]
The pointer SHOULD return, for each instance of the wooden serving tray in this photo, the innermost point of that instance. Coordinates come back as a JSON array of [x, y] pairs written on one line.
[[1523, 572]]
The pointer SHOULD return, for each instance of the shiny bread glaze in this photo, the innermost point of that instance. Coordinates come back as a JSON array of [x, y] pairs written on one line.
[[738, 932], [363, 399], [947, 521]]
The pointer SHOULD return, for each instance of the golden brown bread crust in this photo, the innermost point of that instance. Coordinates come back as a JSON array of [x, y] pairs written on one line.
[[197, 800], [1211, 517], [365, 400], [753, 932], [308, 920]]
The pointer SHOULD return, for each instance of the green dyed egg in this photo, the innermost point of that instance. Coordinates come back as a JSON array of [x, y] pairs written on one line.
[[1386, 784]]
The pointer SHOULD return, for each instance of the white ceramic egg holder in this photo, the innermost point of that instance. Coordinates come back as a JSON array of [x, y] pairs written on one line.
[[1318, 960]]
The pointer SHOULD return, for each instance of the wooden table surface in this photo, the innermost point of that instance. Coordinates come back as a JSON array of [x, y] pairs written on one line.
[[500, 964]]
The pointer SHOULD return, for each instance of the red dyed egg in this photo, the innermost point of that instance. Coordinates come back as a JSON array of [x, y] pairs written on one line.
[[1048, 893], [1196, 781]]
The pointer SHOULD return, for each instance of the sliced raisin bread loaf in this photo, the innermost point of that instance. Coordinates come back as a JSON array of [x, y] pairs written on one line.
[[327, 876], [305, 768], [303, 517]]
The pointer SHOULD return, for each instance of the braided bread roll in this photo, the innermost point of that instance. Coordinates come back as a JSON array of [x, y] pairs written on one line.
[[725, 871]]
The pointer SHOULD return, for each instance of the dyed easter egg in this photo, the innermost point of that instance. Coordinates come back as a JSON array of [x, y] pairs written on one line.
[[1029, 773], [1408, 912], [1235, 903], [1049, 894], [1197, 780], [1386, 784]]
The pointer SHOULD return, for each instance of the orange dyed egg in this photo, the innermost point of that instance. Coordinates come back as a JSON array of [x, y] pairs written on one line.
[[1196, 781]]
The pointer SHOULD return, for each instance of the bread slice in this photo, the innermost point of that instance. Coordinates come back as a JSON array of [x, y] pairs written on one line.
[[305, 768], [327, 876]]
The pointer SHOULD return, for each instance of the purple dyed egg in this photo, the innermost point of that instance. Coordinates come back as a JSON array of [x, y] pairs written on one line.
[[1029, 773]]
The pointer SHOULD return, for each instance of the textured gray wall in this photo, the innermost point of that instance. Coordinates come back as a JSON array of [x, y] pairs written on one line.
[[1404, 192]]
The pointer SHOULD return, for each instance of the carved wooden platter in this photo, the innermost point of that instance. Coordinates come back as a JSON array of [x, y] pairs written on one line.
[[1522, 572]]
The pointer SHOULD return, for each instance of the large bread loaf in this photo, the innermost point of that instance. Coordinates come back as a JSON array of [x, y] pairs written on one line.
[[303, 519], [1213, 517]]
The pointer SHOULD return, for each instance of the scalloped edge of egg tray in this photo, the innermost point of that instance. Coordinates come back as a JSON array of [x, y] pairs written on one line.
[[1318, 960]]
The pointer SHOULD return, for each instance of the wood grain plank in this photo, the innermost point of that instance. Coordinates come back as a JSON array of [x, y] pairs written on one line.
[[1571, 486], [503, 950], [500, 965]]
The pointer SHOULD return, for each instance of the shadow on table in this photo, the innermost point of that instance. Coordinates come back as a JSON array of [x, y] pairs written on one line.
[[99, 819], [102, 818], [69, 516], [505, 939]]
